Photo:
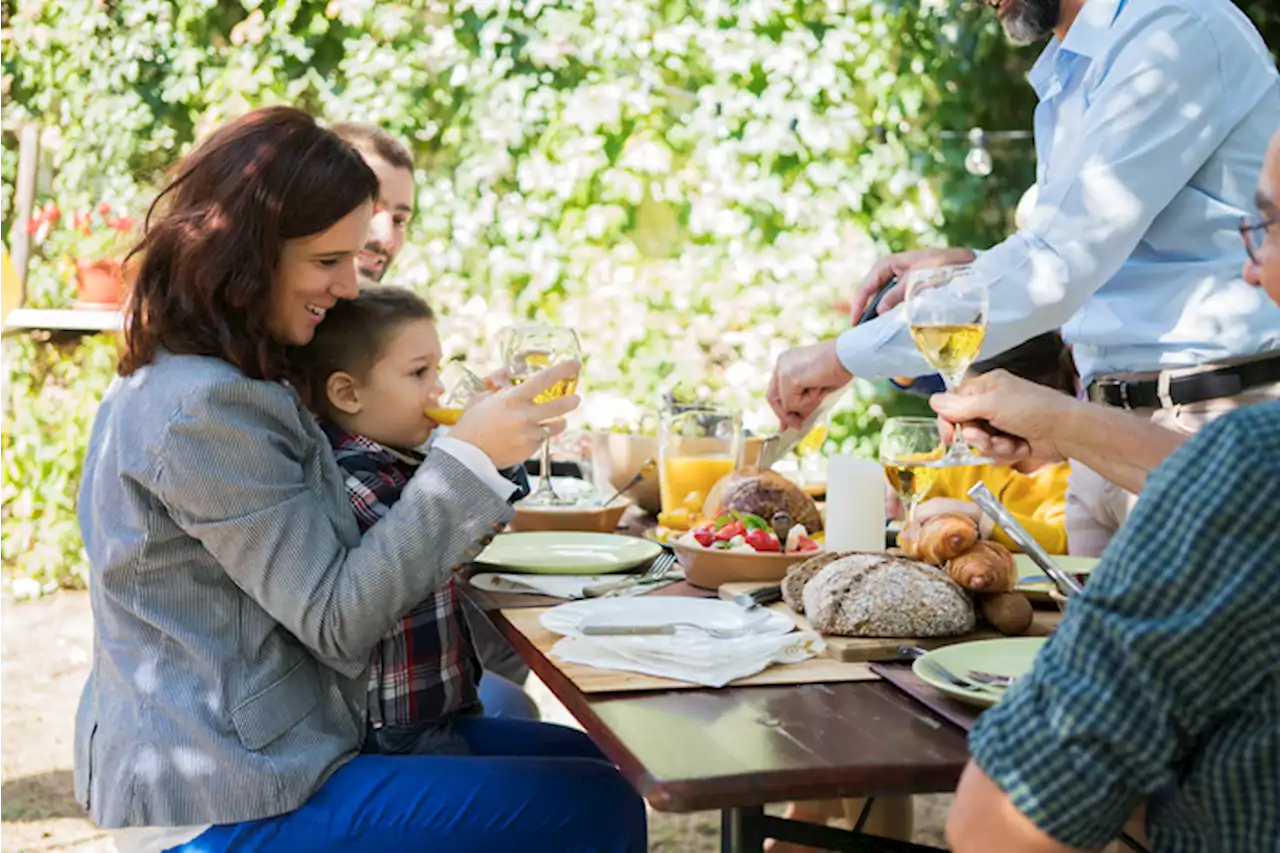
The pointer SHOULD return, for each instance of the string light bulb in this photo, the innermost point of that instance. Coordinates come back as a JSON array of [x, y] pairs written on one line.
[[978, 160]]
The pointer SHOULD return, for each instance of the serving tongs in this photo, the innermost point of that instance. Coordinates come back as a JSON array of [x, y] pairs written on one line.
[[1065, 581]]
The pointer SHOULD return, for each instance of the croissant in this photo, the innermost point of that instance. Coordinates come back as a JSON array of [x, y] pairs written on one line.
[[939, 539], [986, 567]]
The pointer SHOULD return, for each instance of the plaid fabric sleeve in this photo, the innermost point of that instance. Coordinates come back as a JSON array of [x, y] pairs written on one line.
[[1175, 630]]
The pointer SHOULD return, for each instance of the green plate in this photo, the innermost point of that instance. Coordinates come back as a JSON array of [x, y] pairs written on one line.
[[1008, 656], [1035, 584], [567, 553]]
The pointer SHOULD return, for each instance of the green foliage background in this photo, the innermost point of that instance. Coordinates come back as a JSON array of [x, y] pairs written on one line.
[[692, 185]]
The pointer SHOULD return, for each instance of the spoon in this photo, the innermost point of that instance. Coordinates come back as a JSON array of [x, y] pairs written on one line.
[[647, 469]]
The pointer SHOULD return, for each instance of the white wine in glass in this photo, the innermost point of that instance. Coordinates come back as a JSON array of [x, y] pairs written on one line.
[[910, 451], [528, 350], [947, 314]]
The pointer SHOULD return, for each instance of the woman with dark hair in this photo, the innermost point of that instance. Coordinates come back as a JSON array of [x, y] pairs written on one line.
[[235, 601]]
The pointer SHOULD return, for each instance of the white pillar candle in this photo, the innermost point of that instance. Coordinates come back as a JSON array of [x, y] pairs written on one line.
[[855, 505]]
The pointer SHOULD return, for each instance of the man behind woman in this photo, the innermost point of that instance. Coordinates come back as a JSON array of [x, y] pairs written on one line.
[[236, 601]]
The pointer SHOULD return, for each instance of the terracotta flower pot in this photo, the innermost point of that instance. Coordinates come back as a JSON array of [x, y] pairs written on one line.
[[99, 284]]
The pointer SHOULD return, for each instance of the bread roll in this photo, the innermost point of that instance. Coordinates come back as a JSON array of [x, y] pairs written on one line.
[[985, 567]]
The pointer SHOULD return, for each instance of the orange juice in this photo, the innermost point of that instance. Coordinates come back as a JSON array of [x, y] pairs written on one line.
[[683, 476], [444, 417]]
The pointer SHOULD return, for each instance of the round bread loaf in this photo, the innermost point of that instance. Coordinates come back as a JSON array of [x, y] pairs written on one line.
[[801, 573], [876, 595]]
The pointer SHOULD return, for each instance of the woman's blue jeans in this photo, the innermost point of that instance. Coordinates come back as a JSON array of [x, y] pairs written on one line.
[[527, 787]]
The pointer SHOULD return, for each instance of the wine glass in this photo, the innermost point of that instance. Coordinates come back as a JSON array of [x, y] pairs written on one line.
[[947, 315], [910, 451], [528, 350], [461, 386]]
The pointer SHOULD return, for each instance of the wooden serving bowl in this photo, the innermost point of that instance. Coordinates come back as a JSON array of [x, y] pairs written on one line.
[[592, 519], [708, 568]]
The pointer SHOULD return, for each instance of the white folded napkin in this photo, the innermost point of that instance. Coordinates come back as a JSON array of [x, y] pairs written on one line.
[[689, 655], [559, 586]]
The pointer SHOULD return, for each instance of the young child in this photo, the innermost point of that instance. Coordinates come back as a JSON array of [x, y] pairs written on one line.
[[369, 375], [1034, 490]]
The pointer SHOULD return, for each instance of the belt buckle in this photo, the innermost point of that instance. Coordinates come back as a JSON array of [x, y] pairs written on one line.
[[1163, 394]]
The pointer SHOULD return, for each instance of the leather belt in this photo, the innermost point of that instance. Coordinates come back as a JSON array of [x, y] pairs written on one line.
[[1167, 391]]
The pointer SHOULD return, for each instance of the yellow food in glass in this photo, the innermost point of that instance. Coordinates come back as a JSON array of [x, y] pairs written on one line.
[[687, 477], [913, 475], [445, 417], [812, 442], [536, 361], [949, 347]]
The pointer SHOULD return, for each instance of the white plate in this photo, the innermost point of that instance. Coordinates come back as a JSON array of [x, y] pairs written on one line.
[[566, 619]]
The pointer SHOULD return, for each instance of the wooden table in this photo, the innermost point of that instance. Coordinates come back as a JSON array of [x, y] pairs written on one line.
[[736, 749]]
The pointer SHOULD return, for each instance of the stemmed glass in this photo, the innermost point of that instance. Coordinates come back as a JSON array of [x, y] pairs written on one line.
[[911, 450], [947, 315], [526, 351], [461, 386]]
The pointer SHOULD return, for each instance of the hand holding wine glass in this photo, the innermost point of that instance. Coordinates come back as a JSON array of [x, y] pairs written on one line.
[[529, 350], [947, 315], [509, 425]]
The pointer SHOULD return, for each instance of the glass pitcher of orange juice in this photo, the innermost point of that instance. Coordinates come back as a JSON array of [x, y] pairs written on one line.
[[697, 447]]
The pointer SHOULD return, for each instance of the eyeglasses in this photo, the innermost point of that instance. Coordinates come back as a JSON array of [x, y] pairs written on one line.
[[1249, 228]]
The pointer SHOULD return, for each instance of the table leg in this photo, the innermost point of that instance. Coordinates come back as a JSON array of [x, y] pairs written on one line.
[[742, 830]]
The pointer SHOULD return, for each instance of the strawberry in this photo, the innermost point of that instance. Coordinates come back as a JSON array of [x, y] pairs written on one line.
[[763, 540], [806, 544], [730, 530], [705, 536]]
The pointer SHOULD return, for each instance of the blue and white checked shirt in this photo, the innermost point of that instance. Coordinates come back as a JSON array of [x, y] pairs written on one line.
[[1162, 683], [1153, 120]]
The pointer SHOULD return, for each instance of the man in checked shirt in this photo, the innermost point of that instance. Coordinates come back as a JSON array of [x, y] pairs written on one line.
[[1161, 687]]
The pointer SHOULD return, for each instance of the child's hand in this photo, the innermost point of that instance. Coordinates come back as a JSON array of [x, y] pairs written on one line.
[[509, 426], [954, 506]]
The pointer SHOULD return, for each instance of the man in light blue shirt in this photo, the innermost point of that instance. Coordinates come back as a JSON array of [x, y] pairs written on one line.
[[1153, 121]]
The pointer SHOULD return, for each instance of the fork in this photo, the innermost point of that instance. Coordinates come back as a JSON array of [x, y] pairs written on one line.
[[991, 678], [956, 681], [657, 571]]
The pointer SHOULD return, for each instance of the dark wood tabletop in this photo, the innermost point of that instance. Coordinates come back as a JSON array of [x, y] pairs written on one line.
[[691, 750]]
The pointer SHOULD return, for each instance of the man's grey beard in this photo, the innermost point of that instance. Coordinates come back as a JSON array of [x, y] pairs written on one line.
[[1028, 21]]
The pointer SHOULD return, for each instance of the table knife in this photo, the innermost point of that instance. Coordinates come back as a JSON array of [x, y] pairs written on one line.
[[777, 446]]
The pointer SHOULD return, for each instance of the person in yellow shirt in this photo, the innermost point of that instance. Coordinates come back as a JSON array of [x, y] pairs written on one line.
[[1034, 491]]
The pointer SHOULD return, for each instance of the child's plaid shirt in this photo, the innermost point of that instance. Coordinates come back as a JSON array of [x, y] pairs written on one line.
[[427, 667]]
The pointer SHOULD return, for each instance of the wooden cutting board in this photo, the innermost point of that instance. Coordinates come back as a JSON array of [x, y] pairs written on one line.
[[589, 679], [854, 649]]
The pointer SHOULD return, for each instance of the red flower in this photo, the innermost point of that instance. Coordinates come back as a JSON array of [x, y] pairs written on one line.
[[104, 209], [34, 223], [80, 221], [121, 223], [51, 213]]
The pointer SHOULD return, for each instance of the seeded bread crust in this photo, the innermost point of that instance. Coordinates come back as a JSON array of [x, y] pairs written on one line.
[[876, 595]]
